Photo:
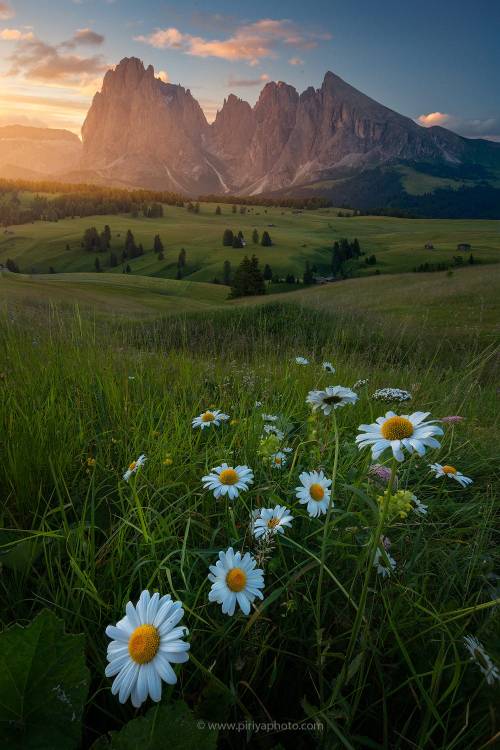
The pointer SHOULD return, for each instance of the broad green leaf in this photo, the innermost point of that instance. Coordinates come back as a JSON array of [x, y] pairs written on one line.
[[173, 727], [43, 686]]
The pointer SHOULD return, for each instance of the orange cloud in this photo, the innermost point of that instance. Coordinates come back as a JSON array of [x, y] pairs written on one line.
[[6, 12], [296, 61], [15, 35], [238, 82], [433, 118], [249, 42]]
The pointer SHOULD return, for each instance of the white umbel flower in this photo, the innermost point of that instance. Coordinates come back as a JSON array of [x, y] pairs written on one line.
[[144, 645], [235, 580], [134, 466], [328, 367], [209, 419], [301, 361], [314, 492], [479, 655], [450, 471], [384, 563], [269, 417], [333, 397], [271, 521], [410, 432], [224, 480]]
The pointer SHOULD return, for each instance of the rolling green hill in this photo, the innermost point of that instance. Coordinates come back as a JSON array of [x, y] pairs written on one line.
[[297, 236]]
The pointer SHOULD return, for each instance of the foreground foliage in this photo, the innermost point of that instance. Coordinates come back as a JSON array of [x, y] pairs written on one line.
[[378, 660]]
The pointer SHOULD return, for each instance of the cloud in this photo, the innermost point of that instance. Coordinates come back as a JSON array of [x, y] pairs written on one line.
[[163, 76], [6, 12], [15, 35], [249, 42], [296, 61], [239, 82], [488, 127], [36, 60], [84, 37]]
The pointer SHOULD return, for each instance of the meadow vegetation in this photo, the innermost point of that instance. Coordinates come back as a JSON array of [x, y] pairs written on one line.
[[354, 655]]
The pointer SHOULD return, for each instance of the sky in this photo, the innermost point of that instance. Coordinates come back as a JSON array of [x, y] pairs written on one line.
[[437, 62]]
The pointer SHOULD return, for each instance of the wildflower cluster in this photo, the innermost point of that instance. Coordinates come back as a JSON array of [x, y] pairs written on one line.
[[391, 395]]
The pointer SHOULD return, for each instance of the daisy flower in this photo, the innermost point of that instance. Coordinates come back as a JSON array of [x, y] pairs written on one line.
[[384, 563], [134, 466], [209, 418], [408, 431], [270, 429], [450, 471], [235, 579], [328, 367], [301, 361], [479, 655], [279, 459], [271, 521], [419, 506], [144, 645], [333, 397], [224, 480], [314, 492]]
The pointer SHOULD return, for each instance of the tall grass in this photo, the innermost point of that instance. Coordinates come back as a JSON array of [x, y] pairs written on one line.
[[81, 399]]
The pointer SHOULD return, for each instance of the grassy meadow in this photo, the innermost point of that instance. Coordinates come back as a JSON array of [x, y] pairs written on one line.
[[351, 657], [399, 244]]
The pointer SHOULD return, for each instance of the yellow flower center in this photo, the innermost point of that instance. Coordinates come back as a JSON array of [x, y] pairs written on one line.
[[228, 476], [272, 523], [208, 416], [397, 428], [236, 579], [277, 459], [132, 465], [143, 644], [317, 492], [449, 469]]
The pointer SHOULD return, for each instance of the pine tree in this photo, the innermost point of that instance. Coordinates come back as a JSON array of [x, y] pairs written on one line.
[[130, 246], [227, 238], [12, 266], [241, 279], [226, 273], [234, 209], [255, 237], [308, 274], [181, 261], [158, 244], [97, 265], [266, 239], [113, 260], [218, 211], [268, 274], [128, 269], [257, 283]]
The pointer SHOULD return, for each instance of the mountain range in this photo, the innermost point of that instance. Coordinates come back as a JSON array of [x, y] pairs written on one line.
[[143, 132]]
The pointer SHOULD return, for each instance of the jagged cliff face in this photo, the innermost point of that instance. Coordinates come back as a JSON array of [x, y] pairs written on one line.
[[141, 131]]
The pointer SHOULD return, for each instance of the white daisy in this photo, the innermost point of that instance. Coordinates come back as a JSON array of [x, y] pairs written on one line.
[[384, 563], [209, 418], [269, 417], [450, 471], [279, 459], [394, 432], [235, 579], [224, 480], [314, 492], [258, 404], [419, 508], [482, 659], [271, 521], [134, 466], [333, 397], [301, 361], [271, 429], [144, 645], [328, 367]]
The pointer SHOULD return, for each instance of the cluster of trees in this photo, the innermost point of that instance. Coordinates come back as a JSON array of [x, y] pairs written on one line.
[[100, 242], [230, 239], [193, 208], [342, 251], [457, 261], [248, 279], [259, 200]]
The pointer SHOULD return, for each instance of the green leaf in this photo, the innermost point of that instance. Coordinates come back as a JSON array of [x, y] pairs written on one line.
[[18, 554], [43, 686], [172, 726]]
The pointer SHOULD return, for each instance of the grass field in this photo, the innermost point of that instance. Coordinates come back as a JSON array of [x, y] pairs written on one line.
[[359, 639], [299, 237]]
